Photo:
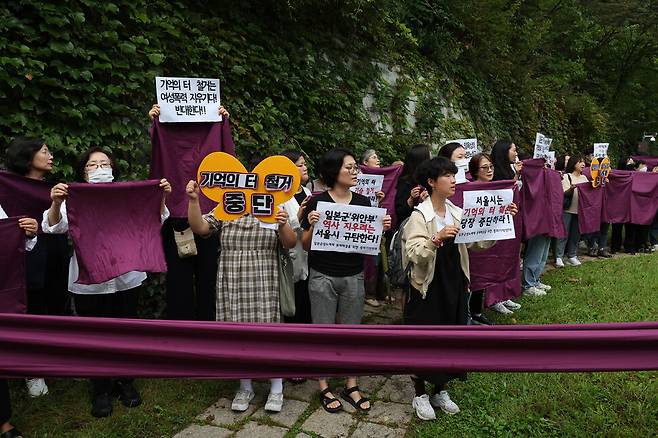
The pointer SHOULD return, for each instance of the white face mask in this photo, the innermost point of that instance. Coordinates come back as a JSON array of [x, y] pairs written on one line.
[[644, 169], [100, 176]]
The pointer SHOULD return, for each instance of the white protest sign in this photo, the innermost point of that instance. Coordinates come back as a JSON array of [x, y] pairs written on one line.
[[470, 145], [484, 216], [188, 99], [348, 228], [550, 158], [601, 150], [462, 168], [542, 145], [368, 186]]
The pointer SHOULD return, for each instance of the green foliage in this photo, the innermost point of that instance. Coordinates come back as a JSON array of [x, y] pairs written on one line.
[[295, 74]]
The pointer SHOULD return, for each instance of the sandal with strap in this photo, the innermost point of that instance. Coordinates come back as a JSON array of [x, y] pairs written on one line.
[[345, 394], [326, 401]]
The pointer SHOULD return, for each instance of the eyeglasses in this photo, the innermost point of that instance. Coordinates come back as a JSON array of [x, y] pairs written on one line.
[[352, 169], [103, 165], [487, 167]]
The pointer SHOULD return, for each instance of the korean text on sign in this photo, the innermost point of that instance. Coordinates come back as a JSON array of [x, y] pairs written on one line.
[[542, 146], [348, 228], [470, 145], [601, 150], [188, 99], [485, 216], [368, 186]]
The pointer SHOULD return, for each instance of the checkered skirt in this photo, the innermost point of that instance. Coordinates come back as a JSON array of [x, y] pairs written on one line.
[[248, 277]]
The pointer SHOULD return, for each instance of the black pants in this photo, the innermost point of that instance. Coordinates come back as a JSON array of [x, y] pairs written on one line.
[[117, 305], [47, 276], [302, 305], [189, 275], [476, 302], [5, 402], [635, 236]]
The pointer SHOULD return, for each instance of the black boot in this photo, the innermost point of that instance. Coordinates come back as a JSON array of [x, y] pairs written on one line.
[[127, 393]]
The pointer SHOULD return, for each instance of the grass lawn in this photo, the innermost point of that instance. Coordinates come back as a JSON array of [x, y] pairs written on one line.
[[492, 404]]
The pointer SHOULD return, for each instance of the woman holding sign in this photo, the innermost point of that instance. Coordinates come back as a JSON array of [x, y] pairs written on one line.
[[247, 277], [336, 283], [439, 273]]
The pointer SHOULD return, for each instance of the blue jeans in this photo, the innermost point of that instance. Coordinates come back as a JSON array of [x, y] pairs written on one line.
[[573, 236], [534, 260]]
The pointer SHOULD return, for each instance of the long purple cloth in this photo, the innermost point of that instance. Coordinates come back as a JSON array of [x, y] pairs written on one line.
[[644, 199], [590, 208], [495, 269], [389, 187], [115, 228], [177, 150], [21, 196], [12, 267], [105, 347], [651, 160], [541, 201]]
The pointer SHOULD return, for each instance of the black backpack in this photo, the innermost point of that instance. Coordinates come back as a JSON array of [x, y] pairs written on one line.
[[397, 275]]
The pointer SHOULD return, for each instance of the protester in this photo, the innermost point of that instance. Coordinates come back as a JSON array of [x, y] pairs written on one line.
[[296, 208], [47, 263], [561, 163], [481, 169], [247, 277], [190, 279], [573, 175], [409, 194], [370, 158], [439, 275], [336, 281], [7, 430], [115, 298], [505, 160], [453, 152]]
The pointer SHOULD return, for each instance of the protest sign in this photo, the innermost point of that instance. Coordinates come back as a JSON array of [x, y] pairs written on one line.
[[368, 186], [550, 159], [470, 145], [225, 180], [348, 228], [188, 99], [601, 150], [485, 217], [542, 145], [462, 168]]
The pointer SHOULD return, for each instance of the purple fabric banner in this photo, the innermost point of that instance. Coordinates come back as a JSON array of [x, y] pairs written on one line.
[[21, 196], [590, 208], [617, 197], [115, 228], [106, 347], [541, 200], [651, 160], [644, 199], [391, 175], [12, 267], [177, 149], [495, 269]]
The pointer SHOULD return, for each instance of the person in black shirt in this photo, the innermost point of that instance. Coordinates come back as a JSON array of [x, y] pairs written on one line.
[[335, 282]]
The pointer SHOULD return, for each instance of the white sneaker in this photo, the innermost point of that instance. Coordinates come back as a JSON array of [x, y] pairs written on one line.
[[241, 400], [372, 302], [533, 291], [274, 402], [573, 261], [442, 401], [36, 387], [559, 263], [423, 408], [511, 305], [500, 308], [543, 286]]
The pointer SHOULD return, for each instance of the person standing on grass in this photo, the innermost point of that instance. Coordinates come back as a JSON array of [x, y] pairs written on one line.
[[336, 283], [439, 273], [573, 175], [115, 298]]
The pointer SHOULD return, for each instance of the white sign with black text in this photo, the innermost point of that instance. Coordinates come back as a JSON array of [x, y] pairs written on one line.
[[188, 99], [348, 228], [485, 216]]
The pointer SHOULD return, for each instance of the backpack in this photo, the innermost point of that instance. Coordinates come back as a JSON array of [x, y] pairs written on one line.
[[397, 275]]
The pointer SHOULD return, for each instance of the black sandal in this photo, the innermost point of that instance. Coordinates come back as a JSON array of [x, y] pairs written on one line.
[[326, 401], [358, 405]]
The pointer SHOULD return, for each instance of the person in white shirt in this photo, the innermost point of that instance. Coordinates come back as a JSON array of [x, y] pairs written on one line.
[[114, 298]]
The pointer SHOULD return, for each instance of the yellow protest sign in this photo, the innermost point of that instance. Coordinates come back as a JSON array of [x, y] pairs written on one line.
[[225, 180]]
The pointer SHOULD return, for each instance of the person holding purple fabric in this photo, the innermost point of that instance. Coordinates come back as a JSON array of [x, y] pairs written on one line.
[[7, 430], [116, 298]]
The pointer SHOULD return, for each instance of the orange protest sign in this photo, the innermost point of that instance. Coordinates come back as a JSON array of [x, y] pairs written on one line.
[[225, 180]]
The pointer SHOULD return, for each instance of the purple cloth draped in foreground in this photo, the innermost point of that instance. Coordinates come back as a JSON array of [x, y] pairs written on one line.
[[49, 346], [177, 150], [12, 267], [651, 160], [21, 196], [590, 205], [617, 197], [495, 269], [541, 201], [115, 228], [644, 199], [389, 187]]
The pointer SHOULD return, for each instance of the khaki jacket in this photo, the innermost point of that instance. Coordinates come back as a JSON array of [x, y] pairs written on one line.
[[419, 249]]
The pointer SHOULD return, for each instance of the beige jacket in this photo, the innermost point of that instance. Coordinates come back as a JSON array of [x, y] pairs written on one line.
[[419, 249]]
